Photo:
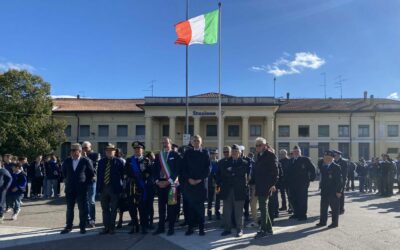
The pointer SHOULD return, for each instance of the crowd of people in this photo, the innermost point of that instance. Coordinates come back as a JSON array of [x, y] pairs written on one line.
[[184, 178]]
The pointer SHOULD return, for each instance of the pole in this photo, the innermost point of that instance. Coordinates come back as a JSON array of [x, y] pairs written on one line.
[[274, 85], [187, 76], [220, 130]]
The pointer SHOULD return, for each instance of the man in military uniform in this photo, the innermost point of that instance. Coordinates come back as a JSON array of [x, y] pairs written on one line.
[[195, 169], [140, 173], [387, 175], [331, 190], [211, 181], [284, 161], [94, 157], [232, 178], [166, 167], [300, 173], [350, 176], [344, 167]]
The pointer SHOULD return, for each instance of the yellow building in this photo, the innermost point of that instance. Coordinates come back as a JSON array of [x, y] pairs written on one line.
[[359, 127]]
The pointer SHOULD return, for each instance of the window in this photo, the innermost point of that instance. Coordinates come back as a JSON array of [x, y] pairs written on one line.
[[363, 130], [344, 147], [122, 130], [101, 146], [344, 131], [103, 131], [165, 130], [305, 148], [255, 130], [322, 147], [393, 130], [392, 150], [233, 130], [140, 130], [211, 130], [284, 145], [191, 129], [363, 150], [323, 130], [67, 131], [65, 150], [284, 131], [304, 131], [84, 130], [123, 146]]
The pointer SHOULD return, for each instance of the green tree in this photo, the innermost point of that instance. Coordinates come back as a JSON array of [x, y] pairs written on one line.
[[27, 127]]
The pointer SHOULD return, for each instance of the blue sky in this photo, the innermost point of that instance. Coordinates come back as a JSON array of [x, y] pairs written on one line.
[[113, 49]]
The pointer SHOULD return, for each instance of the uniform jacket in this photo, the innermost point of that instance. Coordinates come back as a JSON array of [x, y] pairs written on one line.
[[344, 167], [301, 172], [77, 181], [331, 179], [233, 176], [265, 173], [116, 175]]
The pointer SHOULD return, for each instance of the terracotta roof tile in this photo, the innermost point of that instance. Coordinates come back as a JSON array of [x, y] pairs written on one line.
[[97, 105]]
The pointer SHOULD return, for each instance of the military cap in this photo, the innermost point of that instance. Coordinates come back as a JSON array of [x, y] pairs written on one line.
[[110, 147], [337, 152], [235, 146], [329, 153], [138, 144]]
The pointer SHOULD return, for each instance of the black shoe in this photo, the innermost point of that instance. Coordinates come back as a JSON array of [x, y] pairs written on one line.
[[341, 212], [321, 224], [282, 209], [119, 225], [112, 231], [333, 225], [104, 231], [290, 211], [330, 212], [66, 230], [239, 234], [293, 217], [201, 232], [225, 233], [159, 231], [261, 234], [82, 231], [189, 232], [183, 224], [170, 232]]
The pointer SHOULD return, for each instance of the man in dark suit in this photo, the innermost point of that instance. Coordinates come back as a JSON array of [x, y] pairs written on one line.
[[300, 173], [166, 167], [94, 157], [344, 167], [264, 176], [110, 173], [195, 169], [78, 174], [331, 190], [232, 178]]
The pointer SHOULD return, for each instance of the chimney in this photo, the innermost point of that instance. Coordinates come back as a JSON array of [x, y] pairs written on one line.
[[287, 96], [365, 95], [78, 97]]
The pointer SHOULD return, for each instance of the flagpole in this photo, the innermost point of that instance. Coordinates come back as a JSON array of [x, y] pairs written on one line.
[[187, 76], [220, 129]]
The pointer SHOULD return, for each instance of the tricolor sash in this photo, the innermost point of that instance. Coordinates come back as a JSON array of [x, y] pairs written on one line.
[[136, 173], [164, 165]]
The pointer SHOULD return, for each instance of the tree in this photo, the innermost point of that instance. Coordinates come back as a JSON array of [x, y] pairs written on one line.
[[27, 127]]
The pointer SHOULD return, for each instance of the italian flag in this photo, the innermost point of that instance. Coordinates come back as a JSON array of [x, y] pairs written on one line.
[[198, 30]]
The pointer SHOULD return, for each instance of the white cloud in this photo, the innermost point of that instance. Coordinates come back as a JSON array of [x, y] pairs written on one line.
[[394, 96], [296, 65], [5, 66]]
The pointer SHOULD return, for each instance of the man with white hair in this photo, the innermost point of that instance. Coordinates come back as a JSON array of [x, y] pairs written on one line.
[[94, 157], [264, 177]]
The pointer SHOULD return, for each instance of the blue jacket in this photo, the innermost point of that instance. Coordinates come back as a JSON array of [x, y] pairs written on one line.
[[116, 174], [18, 181]]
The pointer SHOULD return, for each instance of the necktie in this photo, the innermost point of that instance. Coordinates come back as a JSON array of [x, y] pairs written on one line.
[[107, 173]]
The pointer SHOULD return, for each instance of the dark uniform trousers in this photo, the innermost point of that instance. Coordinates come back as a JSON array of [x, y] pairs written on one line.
[[195, 210], [81, 199], [299, 200], [109, 205], [210, 200], [163, 208], [333, 202], [273, 206]]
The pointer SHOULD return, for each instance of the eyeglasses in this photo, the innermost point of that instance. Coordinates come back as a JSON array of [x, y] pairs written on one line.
[[259, 145], [226, 152]]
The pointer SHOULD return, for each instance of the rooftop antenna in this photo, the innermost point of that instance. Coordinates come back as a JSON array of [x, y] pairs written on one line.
[[339, 84], [324, 84], [151, 87], [274, 85]]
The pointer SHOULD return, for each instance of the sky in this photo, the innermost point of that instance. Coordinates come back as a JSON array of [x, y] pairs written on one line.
[[115, 49]]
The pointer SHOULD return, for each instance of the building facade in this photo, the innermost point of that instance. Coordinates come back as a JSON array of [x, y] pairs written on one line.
[[359, 127]]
